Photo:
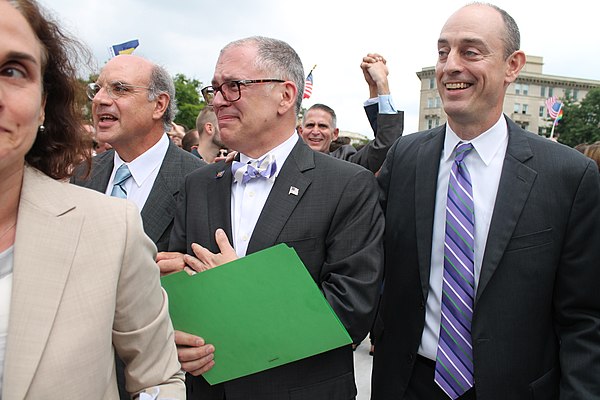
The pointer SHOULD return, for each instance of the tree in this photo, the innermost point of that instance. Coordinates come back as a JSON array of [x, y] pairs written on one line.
[[189, 104], [81, 98], [581, 122]]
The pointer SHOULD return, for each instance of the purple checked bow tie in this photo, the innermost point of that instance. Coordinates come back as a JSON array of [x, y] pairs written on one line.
[[264, 168]]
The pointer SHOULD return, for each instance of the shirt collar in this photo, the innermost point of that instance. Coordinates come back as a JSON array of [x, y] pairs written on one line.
[[143, 166], [486, 145], [280, 152]]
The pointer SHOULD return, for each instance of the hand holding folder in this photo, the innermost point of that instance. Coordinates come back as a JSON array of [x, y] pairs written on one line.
[[260, 311]]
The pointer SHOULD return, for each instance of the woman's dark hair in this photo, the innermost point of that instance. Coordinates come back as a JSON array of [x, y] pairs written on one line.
[[62, 145]]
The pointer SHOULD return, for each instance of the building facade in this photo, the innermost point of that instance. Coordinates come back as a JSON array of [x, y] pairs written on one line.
[[525, 101]]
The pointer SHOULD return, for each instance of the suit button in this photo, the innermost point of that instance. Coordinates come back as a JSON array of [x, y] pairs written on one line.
[[410, 357], [422, 305]]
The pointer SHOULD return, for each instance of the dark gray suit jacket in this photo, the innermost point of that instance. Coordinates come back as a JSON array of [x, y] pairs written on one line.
[[159, 208], [536, 321], [387, 128], [335, 224]]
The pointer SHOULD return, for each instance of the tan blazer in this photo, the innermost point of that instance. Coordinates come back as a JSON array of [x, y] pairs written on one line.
[[84, 285]]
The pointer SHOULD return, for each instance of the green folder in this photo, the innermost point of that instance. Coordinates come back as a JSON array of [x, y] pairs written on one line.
[[260, 311]]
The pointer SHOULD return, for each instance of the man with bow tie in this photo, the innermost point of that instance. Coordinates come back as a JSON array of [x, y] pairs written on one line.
[[278, 191]]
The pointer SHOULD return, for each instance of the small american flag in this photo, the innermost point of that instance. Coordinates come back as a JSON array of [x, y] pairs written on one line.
[[554, 107], [308, 85]]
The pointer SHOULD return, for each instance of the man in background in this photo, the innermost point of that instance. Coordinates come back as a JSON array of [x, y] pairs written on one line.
[[132, 107], [319, 124], [209, 138]]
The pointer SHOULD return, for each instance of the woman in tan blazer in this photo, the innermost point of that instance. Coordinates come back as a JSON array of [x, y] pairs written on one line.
[[78, 279]]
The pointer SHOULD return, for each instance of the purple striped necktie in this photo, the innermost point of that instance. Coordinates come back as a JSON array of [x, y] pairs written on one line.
[[454, 361]]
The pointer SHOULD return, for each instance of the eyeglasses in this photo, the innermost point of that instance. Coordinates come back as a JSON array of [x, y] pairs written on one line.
[[230, 90], [115, 89]]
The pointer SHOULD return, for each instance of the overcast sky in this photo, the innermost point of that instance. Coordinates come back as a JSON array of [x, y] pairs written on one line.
[[186, 36]]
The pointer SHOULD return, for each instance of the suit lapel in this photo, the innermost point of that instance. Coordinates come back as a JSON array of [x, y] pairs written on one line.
[[515, 184], [219, 203], [289, 188], [428, 164], [101, 171], [162, 195], [47, 236]]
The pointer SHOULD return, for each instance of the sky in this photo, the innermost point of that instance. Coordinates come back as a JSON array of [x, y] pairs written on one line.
[[185, 36]]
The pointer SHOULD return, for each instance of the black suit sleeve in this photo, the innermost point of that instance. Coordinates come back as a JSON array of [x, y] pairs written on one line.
[[352, 271], [372, 110], [577, 294], [387, 128]]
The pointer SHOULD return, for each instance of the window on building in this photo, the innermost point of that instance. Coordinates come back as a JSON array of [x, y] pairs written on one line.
[[438, 102], [542, 108], [543, 91], [429, 123], [516, 108], [575, 94], [517, 88], [525, 108], [525, 89], [525, 125], [550, 92], [542, 130], [431, 83], [430, 103]]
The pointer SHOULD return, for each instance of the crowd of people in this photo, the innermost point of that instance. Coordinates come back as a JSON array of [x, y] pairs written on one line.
[[469, 251]]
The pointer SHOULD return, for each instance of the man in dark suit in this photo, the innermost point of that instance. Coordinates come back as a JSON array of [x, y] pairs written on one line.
[[132, 107], [133, 119], [324, 208], [524, 320], [319, 123]]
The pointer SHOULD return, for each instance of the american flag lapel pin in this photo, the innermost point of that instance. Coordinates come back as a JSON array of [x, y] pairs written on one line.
[[220, 174], [293, 190]]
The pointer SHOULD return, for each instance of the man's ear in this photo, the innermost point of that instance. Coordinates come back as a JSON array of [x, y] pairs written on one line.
[[335, 134], [514, 63], [288, 97], [162, 102], [209, 128]]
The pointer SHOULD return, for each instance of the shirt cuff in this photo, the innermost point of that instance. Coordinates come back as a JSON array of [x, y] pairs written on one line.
[[386, 104]]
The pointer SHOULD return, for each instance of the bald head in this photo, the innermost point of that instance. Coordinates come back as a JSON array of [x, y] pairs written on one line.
[[134, 106]]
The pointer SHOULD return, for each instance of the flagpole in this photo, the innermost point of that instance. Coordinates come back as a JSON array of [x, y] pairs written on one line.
[[555, 120]]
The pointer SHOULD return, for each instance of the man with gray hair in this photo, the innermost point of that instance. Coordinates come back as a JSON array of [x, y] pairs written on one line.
[[133, 105], [323, 207], [319, 123]]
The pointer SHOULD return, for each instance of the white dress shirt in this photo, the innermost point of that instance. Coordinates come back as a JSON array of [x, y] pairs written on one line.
[[248, 200], [6, 266], [144, 171], [484, 164], [385, 102]]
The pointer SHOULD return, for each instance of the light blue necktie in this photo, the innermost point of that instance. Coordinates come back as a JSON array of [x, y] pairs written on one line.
[[121, 177], [454, 361], [263, 169]]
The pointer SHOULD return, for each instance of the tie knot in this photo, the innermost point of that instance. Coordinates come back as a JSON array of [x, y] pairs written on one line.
[[264, 168], [462, 149], [122, 174]]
